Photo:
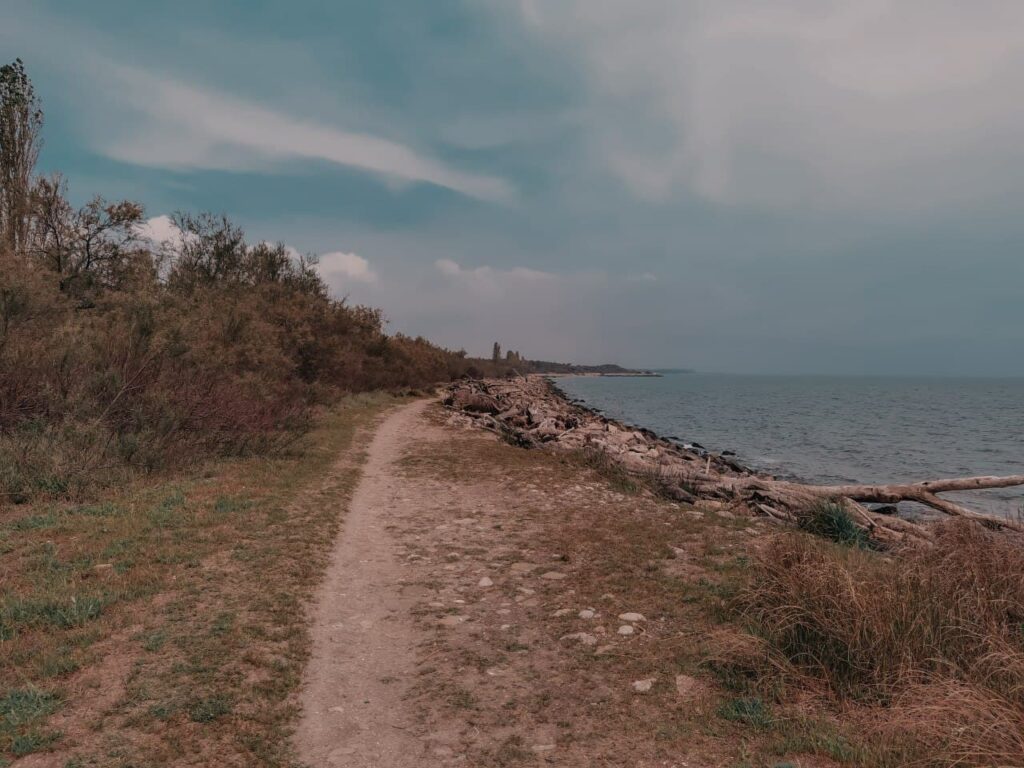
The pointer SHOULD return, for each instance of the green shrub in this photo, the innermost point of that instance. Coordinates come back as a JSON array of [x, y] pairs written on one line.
[[749, 710], [830, 521]]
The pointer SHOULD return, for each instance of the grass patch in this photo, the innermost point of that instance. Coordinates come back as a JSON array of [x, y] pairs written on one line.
[[747, 710], [22, 711], [830, 521], [208, 709], [232, 550], [76, 611]]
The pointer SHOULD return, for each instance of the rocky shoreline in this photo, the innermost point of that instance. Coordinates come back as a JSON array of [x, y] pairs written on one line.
[[532, 412]]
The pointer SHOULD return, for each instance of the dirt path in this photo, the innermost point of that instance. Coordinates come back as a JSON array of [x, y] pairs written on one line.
[[363, 637], [490, 606]]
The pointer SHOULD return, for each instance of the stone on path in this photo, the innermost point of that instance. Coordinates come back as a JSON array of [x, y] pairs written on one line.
[[688, 688], [631, 617], [484, 583], [643, 686], [626, 629]]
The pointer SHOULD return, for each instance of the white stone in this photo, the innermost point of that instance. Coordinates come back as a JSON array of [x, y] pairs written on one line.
[[643, 686], [631, 617], [484, 583], [626, 629], [587, 613]]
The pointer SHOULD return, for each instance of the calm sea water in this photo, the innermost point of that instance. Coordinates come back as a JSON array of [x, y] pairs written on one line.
[[835, 429]]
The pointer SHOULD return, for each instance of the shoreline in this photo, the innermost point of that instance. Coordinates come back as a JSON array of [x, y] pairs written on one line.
[[534, 412], [822, 462]]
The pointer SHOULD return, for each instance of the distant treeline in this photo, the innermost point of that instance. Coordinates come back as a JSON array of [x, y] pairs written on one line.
[[119, 354]]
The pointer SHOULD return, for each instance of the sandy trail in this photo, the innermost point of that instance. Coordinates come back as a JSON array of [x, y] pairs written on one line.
[[473, 612], [363, 637]]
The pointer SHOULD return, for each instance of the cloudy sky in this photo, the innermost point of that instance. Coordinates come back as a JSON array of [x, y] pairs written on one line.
[[731, 185]]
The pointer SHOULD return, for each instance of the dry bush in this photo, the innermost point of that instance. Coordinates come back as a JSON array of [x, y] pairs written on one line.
[[218, 348], [949, 722], [933, 639]]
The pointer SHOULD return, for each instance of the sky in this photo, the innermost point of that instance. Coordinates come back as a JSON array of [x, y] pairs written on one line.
[[774, 186]]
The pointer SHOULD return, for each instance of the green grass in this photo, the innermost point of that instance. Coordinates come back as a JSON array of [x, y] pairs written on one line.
[[22, 713], [748, 710], [61, 613], [208, 709], [830, 521]]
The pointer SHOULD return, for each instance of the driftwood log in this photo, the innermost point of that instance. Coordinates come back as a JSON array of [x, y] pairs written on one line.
[[532, 412]]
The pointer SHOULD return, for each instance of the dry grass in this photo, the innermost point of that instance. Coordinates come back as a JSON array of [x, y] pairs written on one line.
[[927, 646], [166, 623], [624, 549]]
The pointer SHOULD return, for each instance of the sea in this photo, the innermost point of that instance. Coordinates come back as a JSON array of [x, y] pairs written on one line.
[[829, 429]]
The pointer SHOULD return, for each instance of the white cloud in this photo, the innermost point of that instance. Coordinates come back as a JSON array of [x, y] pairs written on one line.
[[876, 103], [346, 266], [494, 282], [448, 267], [490, 274], [159, 230], [185, 126]]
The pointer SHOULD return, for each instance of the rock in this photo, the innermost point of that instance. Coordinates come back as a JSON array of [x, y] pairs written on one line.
[[626, 629], [451, 621], [587, 613], [688, 688], [583, 637], [104, 569], [484, 583], [521, 569], [643, 686], [631, 617], [553, 576], [562, 612]]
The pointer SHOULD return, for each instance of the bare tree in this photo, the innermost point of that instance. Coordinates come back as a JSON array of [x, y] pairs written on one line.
[[21, 123], [90, 248]]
